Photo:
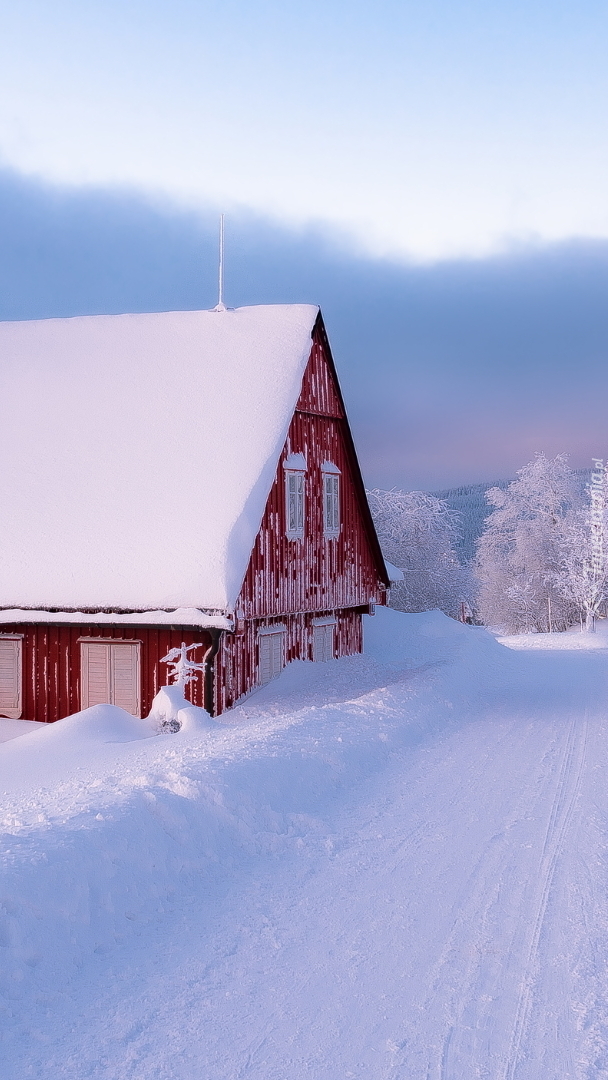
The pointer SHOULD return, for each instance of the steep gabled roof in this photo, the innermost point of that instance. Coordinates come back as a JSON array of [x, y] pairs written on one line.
[[137, 453]]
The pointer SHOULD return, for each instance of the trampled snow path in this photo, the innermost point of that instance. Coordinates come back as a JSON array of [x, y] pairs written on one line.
[[382, 868]]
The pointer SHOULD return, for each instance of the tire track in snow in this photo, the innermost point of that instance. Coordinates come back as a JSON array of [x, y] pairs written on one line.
[[564, 801], [476, 895], [477, 900]]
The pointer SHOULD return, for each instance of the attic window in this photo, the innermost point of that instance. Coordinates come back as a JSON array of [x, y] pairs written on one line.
[[331, 499], [295, 471]]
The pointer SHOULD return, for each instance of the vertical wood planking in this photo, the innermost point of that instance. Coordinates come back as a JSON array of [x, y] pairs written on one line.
[[238, 657], [51, 663], [291, 581], [314, 573]]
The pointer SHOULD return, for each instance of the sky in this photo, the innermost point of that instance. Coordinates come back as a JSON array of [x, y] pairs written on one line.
[[433, 174], [431, 128]]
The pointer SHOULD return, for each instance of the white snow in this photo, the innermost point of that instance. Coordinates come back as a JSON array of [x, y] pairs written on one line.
[[394, 573], [570, 639], [295, 462], [12, 729], [384, 867], [138, 452], [171, 707], [176, 617]]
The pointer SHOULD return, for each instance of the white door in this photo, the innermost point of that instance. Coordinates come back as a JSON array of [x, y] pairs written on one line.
[[323, 642], [125, 674], [271, 655], [10, 676], [110, 674]]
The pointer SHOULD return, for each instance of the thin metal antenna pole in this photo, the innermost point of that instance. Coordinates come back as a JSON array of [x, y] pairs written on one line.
[[221, 268]]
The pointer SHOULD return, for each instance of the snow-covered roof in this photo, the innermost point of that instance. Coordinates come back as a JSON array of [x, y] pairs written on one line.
[[138, 452], [394, 573]]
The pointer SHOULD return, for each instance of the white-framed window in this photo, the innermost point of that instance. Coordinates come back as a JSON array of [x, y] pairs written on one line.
[[110, 674], [295, 472], [323, 639], [331, 499], [11, 675], [271, 644]]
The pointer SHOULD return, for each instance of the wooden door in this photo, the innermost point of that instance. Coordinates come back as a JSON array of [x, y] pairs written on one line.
[[323, 642], [111, 674], [125, 676], [272, 654]]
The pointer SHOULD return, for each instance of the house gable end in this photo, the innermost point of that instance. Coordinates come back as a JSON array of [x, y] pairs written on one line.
[[317, 571]]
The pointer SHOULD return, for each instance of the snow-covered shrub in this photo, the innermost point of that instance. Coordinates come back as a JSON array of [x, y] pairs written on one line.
[[417, 533], [172, 712]]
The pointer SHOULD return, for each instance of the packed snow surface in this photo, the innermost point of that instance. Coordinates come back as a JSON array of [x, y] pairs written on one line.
[[138, 452], [571, 639], [387, 867]]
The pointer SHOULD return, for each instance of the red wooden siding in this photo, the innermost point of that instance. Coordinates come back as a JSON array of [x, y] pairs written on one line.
[[237, 661], [315, 573], [290, 582], [51, 663], [319, 394]]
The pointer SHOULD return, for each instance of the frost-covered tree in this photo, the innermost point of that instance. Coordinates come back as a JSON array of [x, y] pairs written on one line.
[[182, 669], [417, 533], [521, 552], [582, 577]]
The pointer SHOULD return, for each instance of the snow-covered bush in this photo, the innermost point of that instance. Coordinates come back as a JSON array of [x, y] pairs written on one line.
[[172, 712], [521, 553], [417, 533]]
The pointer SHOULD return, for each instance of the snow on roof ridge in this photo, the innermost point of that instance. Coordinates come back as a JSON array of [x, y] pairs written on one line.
[[101, 315]]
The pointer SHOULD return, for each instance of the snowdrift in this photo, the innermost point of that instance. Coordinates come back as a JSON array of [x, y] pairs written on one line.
[[105, 822]]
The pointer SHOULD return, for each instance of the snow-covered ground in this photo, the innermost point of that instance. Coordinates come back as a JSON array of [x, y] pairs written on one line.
[[388, 867], [571, 639]]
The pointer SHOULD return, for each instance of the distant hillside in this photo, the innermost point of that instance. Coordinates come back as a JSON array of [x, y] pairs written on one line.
[[470, 502]]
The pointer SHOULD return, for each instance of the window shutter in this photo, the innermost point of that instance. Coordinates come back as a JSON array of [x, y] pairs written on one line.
[[10, 677], [125, 677], [95, 674]]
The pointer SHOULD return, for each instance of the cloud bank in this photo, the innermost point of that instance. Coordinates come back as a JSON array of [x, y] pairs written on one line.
[[455, 372]]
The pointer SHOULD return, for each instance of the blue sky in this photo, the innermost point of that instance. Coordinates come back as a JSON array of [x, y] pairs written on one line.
[[433, 129], [434, 174]]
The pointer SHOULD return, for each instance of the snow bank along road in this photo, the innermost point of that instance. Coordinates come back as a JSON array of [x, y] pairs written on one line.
[[390, 867]]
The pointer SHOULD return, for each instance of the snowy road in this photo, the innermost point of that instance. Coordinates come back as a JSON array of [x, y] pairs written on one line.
[[407, 879]]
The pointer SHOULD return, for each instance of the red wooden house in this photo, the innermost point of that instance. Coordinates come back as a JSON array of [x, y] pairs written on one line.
[[182, 476]]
